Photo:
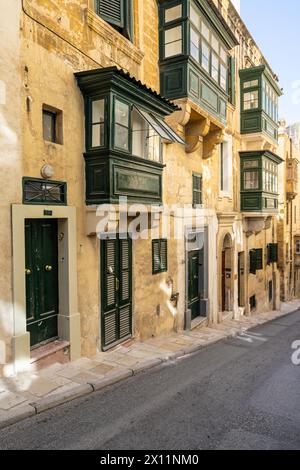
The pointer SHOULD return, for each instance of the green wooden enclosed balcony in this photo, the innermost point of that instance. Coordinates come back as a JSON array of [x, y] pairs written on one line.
[[195, 63], [125, 133], [259, 181], [259, 102]]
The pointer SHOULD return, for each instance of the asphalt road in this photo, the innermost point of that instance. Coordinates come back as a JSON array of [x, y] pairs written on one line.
[[242, 393]]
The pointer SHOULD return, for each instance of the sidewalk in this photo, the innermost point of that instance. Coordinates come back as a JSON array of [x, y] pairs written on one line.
[[31, 393]]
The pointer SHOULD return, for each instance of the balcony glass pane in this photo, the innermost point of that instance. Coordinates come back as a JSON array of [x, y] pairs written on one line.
[[98, 111], [205, 31], [195, 40], [223, 77], [215, 67], [97, 135], [195, 17], [251, 180], [121, 113], [205, 56], [121, 137], [251, 84], [173, 41], [173, 13], [251, 100]]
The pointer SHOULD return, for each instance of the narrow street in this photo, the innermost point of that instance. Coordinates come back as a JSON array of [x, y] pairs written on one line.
[[241, 393]]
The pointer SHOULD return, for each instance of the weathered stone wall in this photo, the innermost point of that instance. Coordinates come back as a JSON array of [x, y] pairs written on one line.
[[10, 160]]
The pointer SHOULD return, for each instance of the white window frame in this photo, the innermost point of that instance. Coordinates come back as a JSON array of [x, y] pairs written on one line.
[[227, 190]]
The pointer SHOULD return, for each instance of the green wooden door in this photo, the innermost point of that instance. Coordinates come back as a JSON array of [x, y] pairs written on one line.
[[41, 273], [194, 284], [116, 290]]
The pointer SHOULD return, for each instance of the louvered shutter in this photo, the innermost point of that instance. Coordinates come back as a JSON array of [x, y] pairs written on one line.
[[155, 257], [163, 255], [159, 256], [259, 258], [111, 11], [197, 189], [253, 261], [109, 294], [125, 314], [272, 253]]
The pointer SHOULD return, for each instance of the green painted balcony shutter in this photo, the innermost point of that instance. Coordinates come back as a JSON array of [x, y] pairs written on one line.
[[259, 258], [253, 261], [111, 11], [197, 189], [231, 80], [159, 256], [272, 253], [118, 13]]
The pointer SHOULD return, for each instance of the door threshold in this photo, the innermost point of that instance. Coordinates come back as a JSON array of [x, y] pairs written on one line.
[[45, 350], [199, 321]]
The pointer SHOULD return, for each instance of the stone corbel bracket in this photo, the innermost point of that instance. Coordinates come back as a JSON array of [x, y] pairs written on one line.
[[213, 139], [196, 128], [194, 134]]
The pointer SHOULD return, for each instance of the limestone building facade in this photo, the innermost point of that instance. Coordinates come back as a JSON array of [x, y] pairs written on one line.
[[168, 105]]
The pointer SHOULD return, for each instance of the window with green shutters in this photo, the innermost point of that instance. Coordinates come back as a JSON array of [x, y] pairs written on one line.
[[272, 253], [252, 262], [259, 258], [197, 189], [256, 260], [118, 13], [159, 256]]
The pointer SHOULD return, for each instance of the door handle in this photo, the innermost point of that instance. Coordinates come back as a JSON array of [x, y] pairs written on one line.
[[117, 284], [48, 268], [28, 272]]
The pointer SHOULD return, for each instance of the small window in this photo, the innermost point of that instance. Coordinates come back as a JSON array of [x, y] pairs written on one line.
[[98, 107], [173, 41], [118, 13], [38, 191], [121, 125], [159, 256], [252, 302], [197, 189], [297, 247], [173, 13], [52, 125], [251, 100]]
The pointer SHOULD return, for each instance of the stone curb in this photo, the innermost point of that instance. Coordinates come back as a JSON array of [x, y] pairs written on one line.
[[58, 399], [146, 365], [111, 380], [14, 416], [32, 409]]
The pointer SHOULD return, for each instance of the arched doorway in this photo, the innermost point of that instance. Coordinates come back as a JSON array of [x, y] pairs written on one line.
[[227, 275]]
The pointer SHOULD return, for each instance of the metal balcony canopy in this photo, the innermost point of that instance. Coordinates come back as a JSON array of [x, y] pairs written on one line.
[[160, 127]]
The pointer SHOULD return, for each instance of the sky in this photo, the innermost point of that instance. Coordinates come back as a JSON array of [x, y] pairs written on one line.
[[275, 26]]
